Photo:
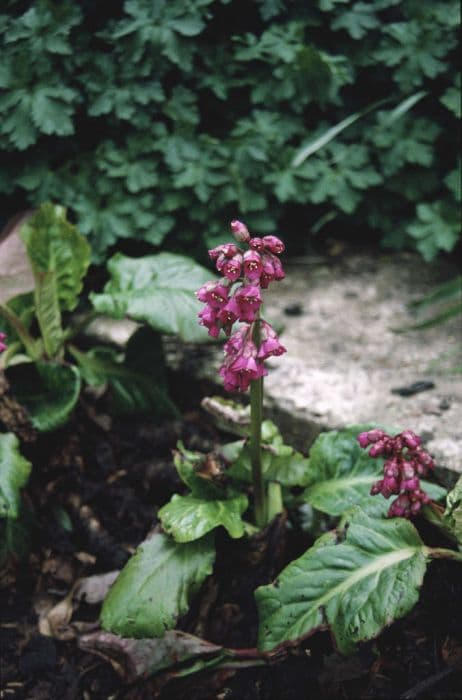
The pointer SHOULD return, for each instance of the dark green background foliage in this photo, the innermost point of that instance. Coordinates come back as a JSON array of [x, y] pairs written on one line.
[[160, 120]]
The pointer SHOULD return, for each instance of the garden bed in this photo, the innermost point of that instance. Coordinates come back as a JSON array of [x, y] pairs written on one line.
[[96, 487]]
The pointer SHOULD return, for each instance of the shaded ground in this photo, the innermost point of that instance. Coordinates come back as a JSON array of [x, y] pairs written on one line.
[[95, 491]]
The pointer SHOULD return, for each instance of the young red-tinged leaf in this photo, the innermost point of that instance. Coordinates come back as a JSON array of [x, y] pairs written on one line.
[[188, 518]]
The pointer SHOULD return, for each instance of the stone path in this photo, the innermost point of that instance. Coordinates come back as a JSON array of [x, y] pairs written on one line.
[[344, 359]]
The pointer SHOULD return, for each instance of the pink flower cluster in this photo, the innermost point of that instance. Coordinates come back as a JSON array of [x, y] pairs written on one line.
[[236, 298], [3, 345], [405, 462]]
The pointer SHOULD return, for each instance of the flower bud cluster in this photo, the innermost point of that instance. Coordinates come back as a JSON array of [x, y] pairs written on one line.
[[3, 345], [236, 298], [405, 462]]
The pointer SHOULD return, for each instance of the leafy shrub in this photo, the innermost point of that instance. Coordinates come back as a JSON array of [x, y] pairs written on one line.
[[44, 365], [148, 120]]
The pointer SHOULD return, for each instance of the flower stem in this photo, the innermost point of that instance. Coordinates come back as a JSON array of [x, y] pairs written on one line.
[[443, 553], [256, 417], [275, 503], [434, 514]]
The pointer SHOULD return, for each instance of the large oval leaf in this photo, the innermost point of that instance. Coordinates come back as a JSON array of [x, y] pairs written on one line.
[[341, 474], [354, 583], [49, 391], [156, 586], [188, 518], [14, 473], [158, 289]]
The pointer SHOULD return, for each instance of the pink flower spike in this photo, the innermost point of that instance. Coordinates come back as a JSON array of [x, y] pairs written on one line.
[[406, 462], [273, 244], [240, 231], [252, 265], [3, 345]]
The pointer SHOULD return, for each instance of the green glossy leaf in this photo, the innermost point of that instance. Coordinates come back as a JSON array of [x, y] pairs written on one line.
[[156, 586], [354, 582], [341, 474], [157, 289], [56, 249], [453, 512], [14, 474], [188, 518], [49, 391]]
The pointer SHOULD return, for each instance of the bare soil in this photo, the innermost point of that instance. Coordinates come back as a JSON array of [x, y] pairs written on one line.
[[93, 496]]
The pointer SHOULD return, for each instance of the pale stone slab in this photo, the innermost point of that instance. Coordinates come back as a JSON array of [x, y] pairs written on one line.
[[343, 356], [344, 359]]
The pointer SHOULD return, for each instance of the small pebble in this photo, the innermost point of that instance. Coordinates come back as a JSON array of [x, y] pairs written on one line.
[[414, 388]]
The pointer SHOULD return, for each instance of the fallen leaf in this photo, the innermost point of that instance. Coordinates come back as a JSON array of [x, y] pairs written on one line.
[[176, 654], [55, 620]]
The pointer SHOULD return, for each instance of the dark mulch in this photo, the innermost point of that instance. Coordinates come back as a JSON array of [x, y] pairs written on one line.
[[93, 497]]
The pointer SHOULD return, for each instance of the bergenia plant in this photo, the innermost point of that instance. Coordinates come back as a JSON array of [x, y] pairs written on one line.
[[233, 305], [358, 577]]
